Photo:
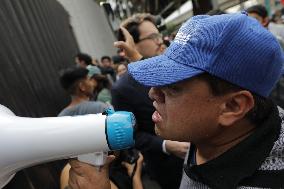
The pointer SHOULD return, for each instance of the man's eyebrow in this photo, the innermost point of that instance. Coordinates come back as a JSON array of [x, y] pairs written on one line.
[[174, 86]]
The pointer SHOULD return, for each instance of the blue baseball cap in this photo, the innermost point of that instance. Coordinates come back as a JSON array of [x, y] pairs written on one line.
[[233, 47]]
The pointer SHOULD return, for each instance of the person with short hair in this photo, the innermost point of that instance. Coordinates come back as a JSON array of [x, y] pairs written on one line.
[[147, 39], [102, 90], [83, 60], [121, 69], [260, 13], [107, 69], [106, 61], [211, 88], [80, 87]]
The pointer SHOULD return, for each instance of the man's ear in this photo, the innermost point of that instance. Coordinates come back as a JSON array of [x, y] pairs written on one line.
[[82, 87], [235, 107]]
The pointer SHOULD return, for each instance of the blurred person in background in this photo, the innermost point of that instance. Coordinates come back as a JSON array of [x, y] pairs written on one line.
[[276, 25], [95, 62], [106, 67], [121, 69], [140, 38], [80, 87], [85, 61], [106, 62], [120, 63], [260, 13], [102, 88], [277, 17], [120, 58]]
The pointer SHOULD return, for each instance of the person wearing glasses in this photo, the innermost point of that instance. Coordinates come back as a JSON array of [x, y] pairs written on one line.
[[140, 38]]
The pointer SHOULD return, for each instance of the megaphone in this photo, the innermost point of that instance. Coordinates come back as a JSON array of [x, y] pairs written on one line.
[[25, 142]]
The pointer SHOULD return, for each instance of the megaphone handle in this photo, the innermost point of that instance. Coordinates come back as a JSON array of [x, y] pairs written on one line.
[[97, 158]]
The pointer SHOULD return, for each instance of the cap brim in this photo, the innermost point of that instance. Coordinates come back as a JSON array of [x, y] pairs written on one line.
[[160, 71]]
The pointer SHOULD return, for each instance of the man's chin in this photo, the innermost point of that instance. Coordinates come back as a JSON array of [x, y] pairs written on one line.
[[164, 135], [157, 130], [160, 133]]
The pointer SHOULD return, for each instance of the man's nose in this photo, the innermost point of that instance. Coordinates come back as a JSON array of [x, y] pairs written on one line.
[[156, 95], [159, 41]]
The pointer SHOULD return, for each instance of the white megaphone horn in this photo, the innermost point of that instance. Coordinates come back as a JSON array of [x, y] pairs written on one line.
[[25, 142]]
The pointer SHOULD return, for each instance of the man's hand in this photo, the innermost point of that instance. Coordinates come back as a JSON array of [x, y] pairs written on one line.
[[86, 176], [176, 148], [130, 167], [128, 46]]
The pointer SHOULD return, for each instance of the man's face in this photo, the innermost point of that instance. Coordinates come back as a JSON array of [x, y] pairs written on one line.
[[87, 86], [186, 111], [121, 69], [80, 63], [106, 63], [150, 40]]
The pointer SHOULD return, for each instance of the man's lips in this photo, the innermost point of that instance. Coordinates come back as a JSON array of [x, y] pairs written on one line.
[[156, 117]]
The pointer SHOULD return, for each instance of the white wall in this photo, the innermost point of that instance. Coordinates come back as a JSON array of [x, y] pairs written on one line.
[[92, 31]]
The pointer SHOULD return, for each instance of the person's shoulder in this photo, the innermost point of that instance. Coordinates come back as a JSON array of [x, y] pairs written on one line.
[[66, 112], [62, 113], [92, 103], [97, 106], [104, 91]]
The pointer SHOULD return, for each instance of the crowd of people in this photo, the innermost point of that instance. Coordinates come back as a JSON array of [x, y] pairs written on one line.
[[204, 120]]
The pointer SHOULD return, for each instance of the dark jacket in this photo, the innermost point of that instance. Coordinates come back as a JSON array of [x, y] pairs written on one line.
[[256, 162]]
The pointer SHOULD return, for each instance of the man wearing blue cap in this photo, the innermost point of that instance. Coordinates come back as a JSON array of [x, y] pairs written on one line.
[[210, 88]]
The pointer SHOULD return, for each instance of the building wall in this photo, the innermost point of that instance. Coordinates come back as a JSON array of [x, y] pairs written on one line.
[[36, 42], [91, 28]]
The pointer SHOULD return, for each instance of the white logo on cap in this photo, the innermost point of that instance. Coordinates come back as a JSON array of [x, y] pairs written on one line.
[[182, 38]]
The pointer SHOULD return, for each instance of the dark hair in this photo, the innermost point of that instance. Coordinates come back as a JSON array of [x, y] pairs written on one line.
[[218, 87], [105, 57], [259, 10], [84, 57], [69, 77], [132, 23], [102, 81]]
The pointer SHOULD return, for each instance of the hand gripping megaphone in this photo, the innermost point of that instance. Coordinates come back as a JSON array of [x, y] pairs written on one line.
[[25, 142]]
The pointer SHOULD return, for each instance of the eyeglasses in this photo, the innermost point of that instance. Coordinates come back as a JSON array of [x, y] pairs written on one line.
[[157, 37]]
